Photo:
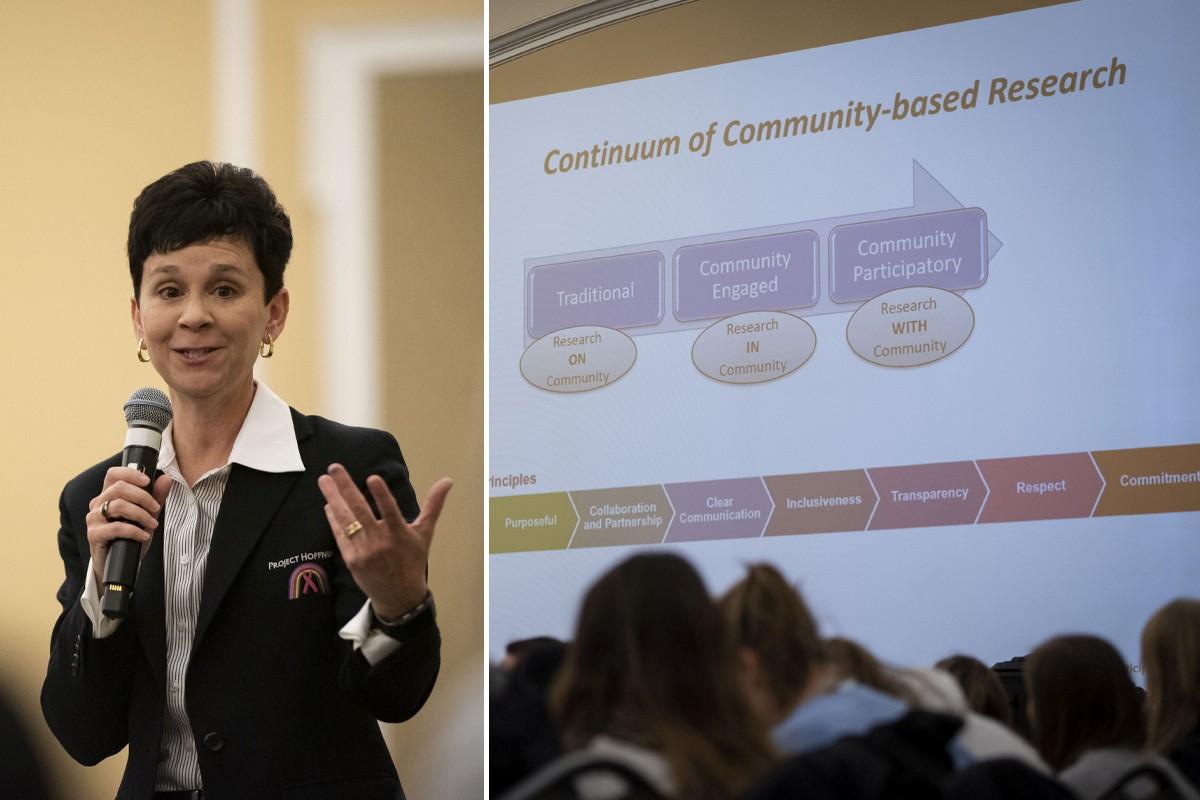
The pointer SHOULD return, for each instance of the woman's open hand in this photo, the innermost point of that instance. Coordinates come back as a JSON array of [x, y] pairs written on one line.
[[388, 555]]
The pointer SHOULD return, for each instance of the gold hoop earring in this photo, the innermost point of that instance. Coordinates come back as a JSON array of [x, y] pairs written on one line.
[[267, 349], [143, 353]]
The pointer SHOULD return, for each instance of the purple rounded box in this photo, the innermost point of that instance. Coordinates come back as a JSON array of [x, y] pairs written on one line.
[[621, 291], [759, 273], [735, 508], [946, 249]]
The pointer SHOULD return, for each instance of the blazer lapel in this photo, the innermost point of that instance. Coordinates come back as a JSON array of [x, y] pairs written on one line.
[[250, 502]]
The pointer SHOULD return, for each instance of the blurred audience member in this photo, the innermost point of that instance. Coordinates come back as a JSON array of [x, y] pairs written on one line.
[[22, 774], [1085, 715], [522, 735], [981, 738], [1171, 659], [517, 649], [982, 687], [649, 681], [1012, 677], [793, 684]]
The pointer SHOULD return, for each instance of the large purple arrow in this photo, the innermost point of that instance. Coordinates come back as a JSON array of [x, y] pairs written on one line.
[[838, 263]]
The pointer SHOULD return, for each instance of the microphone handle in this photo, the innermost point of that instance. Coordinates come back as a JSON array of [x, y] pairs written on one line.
[[120, 572], [124, 555]]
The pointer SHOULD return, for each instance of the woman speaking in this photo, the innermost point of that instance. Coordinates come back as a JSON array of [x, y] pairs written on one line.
[[279, 611]]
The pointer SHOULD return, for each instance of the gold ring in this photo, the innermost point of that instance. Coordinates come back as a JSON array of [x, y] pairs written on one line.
[[353, 528], [104, 511]]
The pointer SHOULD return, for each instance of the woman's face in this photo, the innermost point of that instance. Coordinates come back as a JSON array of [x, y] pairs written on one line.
[[202, 316]]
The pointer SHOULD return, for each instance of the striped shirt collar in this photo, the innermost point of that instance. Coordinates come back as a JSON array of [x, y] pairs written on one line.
[[266, 441]]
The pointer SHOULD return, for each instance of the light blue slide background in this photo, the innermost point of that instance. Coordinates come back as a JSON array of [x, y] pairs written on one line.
[[1085, 337]]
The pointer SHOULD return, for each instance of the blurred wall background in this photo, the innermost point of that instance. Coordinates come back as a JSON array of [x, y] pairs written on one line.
[[98, 100]]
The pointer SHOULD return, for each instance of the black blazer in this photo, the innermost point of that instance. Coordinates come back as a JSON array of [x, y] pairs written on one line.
[[280, 707]]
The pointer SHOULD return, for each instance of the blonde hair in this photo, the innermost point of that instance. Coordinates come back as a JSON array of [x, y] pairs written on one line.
[[1171, 658]]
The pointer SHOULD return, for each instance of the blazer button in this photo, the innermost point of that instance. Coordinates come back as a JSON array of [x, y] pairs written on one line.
[[214, 741]]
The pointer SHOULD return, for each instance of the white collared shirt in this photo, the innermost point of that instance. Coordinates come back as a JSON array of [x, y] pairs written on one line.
[[266, 442]]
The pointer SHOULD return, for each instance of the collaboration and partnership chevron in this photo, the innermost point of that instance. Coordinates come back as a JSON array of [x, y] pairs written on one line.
[[1148, 480]]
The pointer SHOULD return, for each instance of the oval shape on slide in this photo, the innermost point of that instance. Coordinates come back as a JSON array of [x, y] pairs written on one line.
[[578, 359], [754, 347], [910, 327]]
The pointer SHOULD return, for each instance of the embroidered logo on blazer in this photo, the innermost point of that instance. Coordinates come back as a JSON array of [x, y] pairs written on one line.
[[307, 578], [284, 563]]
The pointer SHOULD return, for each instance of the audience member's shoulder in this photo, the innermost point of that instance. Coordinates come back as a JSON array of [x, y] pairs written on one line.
[[984, 738], [933, 689], [1100, 771], [1186, 757]]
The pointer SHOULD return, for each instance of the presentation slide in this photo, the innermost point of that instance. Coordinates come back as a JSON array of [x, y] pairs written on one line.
[[914, 318]]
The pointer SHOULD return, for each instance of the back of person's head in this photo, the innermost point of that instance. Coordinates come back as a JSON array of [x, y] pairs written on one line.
[[1011, 673], [540, 661], [767, 615], [204, 201], [522, 736], [650, 662], [985, 694], [1171, 660], [519, 647], [539, 656], [1080, 699]]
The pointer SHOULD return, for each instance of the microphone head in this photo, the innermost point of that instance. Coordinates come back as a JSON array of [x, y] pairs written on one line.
[[148, 408]]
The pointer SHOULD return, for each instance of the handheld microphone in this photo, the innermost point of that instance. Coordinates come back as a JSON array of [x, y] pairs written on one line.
[[147, 414]]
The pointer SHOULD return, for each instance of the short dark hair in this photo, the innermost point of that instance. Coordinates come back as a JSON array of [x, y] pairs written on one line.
[[203, 201]]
